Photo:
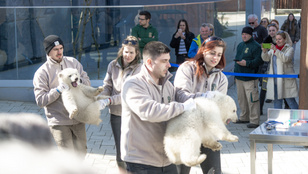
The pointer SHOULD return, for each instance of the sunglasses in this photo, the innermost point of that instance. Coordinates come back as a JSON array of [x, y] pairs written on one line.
[[263, 21], [133, 42], [269, 25], [212, 38], [252, 22], [280, 31]]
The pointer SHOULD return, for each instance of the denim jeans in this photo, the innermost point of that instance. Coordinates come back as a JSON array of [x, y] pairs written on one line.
[[278, 102], [135, 168]]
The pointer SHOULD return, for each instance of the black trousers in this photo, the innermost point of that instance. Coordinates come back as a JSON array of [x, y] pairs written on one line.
[[211, 165], [180, 58]]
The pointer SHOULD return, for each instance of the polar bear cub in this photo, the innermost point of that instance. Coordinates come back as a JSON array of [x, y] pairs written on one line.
[[203, 125], [80, 100]]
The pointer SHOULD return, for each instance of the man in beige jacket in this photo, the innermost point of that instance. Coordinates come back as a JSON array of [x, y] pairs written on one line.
[[68, 133], [147, 103]]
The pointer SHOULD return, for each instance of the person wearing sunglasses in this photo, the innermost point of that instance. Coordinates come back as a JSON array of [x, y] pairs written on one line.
[[280, 62], [274, 21], [247, 60], [144, 31], [206, 30], [259, 32], [198, 77], [264, 22], [125, 65], [181, 41]]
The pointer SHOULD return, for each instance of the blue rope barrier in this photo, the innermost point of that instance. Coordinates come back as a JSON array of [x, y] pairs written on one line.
[[263, 75], [174, 65], [254, 75]]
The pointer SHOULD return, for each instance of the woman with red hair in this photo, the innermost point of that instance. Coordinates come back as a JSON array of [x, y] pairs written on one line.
[[197, 77]]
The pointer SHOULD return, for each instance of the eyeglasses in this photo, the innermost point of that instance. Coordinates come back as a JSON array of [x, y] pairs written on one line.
[[212, 38], [133, 42], [251, 23], [141, 19], [263, 21]]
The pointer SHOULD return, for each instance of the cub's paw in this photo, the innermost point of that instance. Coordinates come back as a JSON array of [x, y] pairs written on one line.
[[216, 146], [73, 113], [194, 160], [232, 138], [99, 90]]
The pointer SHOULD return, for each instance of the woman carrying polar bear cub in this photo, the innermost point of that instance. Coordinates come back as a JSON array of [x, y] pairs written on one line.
[[199, 76]]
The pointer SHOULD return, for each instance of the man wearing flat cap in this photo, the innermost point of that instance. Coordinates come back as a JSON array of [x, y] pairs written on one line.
[[69, 134], [247, 60]]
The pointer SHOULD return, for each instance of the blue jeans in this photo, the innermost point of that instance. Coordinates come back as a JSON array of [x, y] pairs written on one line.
[[278, 102], [135, 168]]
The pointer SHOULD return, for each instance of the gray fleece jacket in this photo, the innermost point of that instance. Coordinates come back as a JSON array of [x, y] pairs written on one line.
[[146, 108], [45, 82]]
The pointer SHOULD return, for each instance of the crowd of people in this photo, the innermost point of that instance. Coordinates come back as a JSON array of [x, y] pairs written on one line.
[[141, 97]]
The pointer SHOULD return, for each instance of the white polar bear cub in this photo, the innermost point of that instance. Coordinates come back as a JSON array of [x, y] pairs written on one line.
[[203, 125], [80, 100]]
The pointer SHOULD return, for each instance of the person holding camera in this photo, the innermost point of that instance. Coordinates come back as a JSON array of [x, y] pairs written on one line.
[[181, 41]]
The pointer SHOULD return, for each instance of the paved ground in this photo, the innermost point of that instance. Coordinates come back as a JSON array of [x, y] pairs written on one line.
[[235, 157]]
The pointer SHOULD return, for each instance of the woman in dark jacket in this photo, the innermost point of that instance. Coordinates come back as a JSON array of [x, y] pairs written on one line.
[[291, 27], [181, 41]]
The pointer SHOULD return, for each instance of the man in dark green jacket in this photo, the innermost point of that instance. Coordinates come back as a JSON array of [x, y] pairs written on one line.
[[144, 31], [247, 60]]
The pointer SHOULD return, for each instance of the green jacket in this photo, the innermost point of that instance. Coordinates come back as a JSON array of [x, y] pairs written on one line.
[[251, 52], [145, 34]]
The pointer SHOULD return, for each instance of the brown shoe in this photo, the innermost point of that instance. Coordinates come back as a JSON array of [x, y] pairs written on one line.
[[240, 121]]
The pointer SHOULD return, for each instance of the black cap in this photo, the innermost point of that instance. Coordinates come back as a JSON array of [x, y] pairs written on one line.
[[52, 41], [247, 30]]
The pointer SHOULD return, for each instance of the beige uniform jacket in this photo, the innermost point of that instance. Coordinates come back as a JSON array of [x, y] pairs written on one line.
[[45, 82], [113, 82], [187, 82], [145, 109]]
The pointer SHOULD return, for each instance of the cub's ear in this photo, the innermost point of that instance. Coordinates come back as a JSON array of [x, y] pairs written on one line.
[[60, 75]]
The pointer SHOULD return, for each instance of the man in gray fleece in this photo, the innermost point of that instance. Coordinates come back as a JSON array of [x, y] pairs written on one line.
[[148, 102], [68, 133]]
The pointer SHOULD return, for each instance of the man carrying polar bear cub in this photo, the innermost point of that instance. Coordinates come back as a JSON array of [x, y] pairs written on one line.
[[68, 133], [203, 125]]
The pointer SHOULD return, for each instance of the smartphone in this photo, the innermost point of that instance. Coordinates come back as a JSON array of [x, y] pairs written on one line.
[[266, 45]]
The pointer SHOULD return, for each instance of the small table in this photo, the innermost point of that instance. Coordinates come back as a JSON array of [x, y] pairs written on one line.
[[294, 135]]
